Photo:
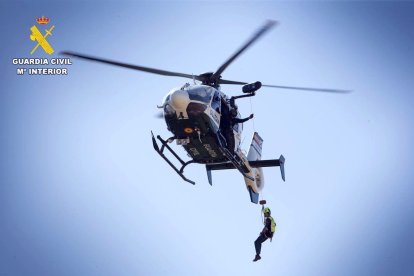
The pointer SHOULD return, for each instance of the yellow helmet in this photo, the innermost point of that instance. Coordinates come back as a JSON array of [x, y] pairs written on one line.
[[266, 210]]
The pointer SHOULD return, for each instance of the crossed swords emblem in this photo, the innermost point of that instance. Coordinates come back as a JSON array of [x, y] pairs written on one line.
[[41, 40]]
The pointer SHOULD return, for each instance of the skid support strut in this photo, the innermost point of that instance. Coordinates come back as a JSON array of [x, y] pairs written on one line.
[[160, 151]]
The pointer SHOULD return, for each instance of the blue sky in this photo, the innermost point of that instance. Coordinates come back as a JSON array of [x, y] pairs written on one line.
[[83, 192]]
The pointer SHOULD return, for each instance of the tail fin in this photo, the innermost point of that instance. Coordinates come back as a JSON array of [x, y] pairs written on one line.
[[255, 155], [255, 150]]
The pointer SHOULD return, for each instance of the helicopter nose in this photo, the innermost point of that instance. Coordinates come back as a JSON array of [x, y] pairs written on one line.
[[180, 99]]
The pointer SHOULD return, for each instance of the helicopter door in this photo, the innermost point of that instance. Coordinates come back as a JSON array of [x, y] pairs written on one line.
[[215, 110], [216, 103]]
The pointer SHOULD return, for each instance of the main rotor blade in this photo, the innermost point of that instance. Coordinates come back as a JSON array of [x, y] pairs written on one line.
[[289, 87], [309, 89], [130, 66], [269, 24]]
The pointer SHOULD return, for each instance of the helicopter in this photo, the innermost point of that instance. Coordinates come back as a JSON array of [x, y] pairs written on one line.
[[207, 124]]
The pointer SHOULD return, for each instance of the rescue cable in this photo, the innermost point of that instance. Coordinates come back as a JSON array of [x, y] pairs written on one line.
[[251, 112]]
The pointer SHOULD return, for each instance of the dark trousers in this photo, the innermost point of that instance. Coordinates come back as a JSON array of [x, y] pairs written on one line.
[[258, 243]]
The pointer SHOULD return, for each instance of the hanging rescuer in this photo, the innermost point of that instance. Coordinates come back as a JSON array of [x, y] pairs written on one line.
[[267, 232]]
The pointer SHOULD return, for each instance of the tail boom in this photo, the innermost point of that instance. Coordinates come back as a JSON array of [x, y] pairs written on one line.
[[253, 175]]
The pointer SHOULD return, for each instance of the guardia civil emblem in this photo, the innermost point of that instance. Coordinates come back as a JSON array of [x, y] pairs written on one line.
[[38, 37]]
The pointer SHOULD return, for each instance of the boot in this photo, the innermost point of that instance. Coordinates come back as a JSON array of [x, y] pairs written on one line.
[[257, 258]]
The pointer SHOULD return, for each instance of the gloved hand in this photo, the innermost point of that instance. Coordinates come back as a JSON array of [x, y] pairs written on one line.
[[251, 116]]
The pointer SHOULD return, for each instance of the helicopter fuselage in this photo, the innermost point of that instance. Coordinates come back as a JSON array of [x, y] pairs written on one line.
[[207, 124], [199, 117]]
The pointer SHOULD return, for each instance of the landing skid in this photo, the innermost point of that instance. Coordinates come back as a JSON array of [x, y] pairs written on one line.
[[165, 145], [233, 158]]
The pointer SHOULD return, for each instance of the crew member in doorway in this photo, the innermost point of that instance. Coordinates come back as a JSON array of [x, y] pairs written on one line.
[[236, 120]]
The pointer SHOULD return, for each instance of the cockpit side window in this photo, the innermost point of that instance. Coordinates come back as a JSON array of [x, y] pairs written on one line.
[[215, 103]]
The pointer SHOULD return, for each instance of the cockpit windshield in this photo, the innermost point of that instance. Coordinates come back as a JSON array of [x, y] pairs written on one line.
[[200, 93]]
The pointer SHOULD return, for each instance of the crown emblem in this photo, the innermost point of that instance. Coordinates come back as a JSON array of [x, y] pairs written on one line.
[[42, 20]]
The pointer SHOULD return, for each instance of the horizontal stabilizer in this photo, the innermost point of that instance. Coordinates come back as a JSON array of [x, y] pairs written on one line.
[[265, 163], [254, 164]]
